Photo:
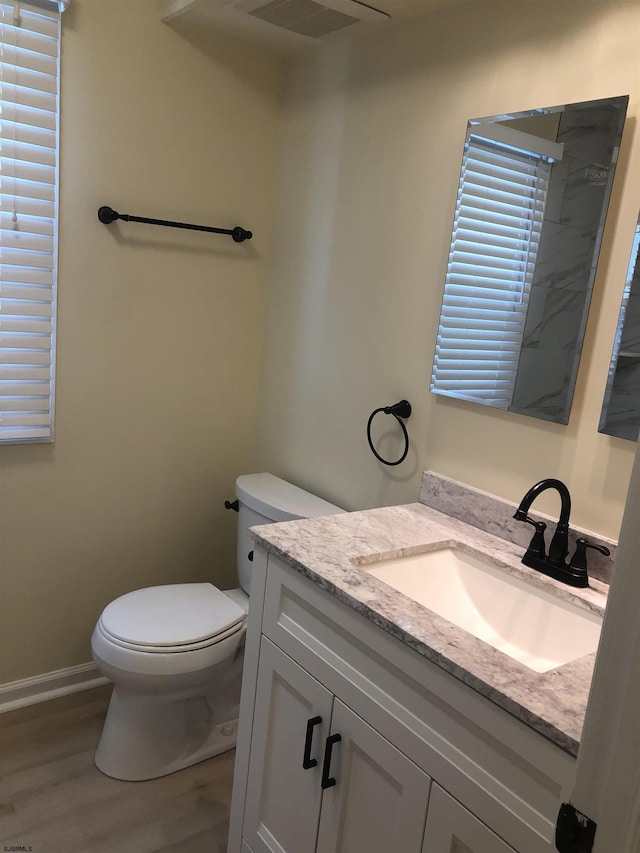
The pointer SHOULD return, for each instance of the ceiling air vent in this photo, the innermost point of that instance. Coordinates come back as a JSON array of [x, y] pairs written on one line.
[[286, 26], [310, 18]]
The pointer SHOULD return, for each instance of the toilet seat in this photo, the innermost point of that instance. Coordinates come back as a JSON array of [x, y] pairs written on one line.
[[172, 618], [165, 650]]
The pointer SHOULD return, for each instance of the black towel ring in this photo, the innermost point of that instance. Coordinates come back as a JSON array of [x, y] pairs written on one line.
[[399, 411]]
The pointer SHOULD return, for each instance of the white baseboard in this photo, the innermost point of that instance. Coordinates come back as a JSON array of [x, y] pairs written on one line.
[[50, 685]]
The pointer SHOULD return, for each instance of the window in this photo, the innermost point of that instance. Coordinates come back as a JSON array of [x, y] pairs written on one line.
[[29, 82], [496, 232]]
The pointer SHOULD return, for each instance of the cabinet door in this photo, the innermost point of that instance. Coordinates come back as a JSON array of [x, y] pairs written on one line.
[[379, 801], [452, 829], [283, 799]]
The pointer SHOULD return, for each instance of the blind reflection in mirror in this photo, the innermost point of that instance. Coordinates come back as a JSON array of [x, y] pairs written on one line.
[[528, 222], [621, 408]]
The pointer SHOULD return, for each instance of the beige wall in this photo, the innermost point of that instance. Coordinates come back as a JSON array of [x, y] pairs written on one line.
[[160, 331], [370, 167]]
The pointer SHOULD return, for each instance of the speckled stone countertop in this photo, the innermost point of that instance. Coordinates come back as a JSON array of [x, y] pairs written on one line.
[[328, 549]]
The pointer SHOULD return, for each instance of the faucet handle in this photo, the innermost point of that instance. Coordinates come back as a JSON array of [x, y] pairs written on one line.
[[537, 547], [579, 559]]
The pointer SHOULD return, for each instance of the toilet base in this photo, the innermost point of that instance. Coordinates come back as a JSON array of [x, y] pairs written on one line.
[[139, 762], [146, 736]]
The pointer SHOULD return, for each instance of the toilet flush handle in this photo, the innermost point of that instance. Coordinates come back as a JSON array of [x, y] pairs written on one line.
[[229, 505]]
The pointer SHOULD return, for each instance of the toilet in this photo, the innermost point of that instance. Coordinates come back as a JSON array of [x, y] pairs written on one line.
[[175, 652]]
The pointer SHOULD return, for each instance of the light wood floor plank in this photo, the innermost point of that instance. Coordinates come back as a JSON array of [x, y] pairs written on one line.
[[53, 798]]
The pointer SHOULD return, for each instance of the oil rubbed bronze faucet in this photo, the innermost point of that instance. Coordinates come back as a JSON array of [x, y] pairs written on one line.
[[553, 564]]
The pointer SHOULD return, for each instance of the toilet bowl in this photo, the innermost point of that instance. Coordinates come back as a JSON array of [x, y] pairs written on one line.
[[175, 653]]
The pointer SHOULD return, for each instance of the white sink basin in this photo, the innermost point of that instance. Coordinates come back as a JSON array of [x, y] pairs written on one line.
[[523, 621]]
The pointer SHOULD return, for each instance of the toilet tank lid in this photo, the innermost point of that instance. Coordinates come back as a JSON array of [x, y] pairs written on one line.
[[278, 500]]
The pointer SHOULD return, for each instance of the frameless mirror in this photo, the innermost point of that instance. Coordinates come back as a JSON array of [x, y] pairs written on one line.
[[532, 200], [621, 408]]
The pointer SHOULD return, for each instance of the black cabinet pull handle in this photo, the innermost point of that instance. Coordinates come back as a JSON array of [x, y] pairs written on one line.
[[307, 761], [328, 781]]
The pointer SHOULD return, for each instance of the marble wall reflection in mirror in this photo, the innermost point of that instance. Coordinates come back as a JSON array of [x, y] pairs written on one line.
[[621, 408], [532, 201]]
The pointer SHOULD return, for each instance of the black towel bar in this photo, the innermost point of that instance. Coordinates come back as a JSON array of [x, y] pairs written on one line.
[[107, 215]]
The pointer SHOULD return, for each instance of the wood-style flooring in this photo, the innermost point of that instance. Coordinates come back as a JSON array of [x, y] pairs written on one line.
[[54, 800]]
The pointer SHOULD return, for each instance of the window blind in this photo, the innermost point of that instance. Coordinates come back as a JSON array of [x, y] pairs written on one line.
[[495, 240], [29, 78]]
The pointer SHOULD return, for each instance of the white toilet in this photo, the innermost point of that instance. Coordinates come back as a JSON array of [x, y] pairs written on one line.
[[175, 653]]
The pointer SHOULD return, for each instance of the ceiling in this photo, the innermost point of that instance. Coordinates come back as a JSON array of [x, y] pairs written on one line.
[[416, 8], [411, 8], [231, 16]]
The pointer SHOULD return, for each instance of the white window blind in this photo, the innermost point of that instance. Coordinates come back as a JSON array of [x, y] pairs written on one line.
[[29, 78], [496, 233]]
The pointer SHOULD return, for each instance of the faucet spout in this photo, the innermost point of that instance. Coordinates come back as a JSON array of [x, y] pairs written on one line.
[[542, 486], [559, 547]]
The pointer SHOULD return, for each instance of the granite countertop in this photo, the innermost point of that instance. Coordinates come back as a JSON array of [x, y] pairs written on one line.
[[328, 549]]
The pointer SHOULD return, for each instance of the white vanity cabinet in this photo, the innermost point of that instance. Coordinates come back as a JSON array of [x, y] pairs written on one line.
[[453, 829], [379, 801], [320, 778], [283, 798], [421, 761]]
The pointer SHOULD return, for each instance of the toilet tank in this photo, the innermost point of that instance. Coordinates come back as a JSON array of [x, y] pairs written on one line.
[[264, 499]]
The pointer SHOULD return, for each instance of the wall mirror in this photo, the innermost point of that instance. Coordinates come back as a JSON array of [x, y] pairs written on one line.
[[621, 408], [532, 200]]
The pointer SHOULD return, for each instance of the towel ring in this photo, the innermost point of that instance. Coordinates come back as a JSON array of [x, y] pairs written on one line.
[[399, 411]]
